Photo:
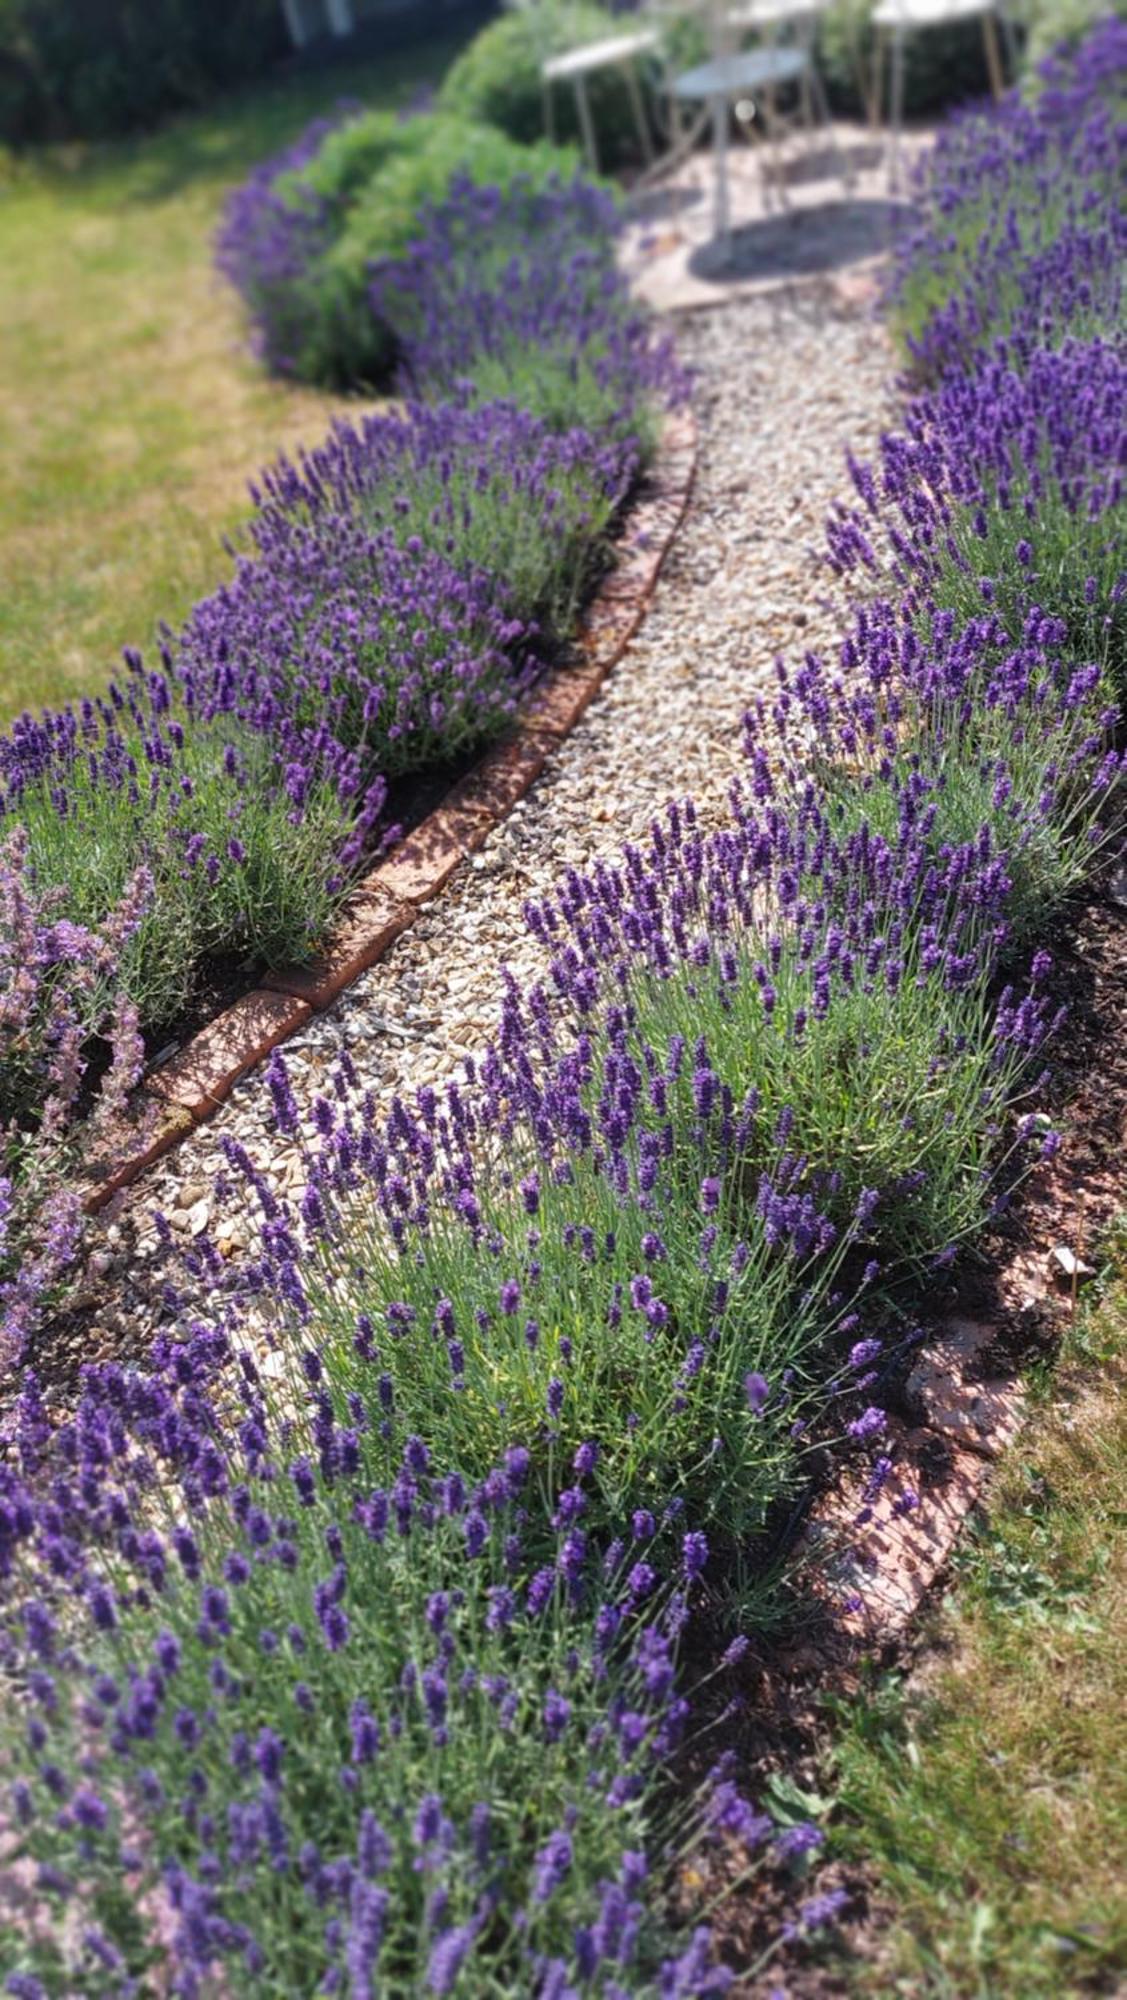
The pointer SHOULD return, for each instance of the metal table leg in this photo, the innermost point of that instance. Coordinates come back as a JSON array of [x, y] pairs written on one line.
[[896, 109], [722, 209]]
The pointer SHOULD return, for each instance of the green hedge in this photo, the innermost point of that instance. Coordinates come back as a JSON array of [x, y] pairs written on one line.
[[92, 68], [377, 173]]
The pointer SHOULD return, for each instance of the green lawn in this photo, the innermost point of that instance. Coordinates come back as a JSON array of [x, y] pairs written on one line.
[[131, 415], [986, 1796]]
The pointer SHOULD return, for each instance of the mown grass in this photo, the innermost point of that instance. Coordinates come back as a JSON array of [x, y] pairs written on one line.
[[131, 411], [988, 1794]]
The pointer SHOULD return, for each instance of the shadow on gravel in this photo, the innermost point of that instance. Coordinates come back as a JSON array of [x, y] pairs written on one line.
[[806, 241]]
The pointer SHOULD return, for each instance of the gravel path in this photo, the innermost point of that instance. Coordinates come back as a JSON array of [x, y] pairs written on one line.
[[784, 383]]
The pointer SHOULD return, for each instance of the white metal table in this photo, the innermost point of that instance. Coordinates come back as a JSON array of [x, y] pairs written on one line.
[[716, 83]]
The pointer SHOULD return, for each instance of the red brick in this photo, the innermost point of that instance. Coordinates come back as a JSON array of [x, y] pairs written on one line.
[[977, 1409], [890, 1563], [200, 1076], [365, 931], [123, 1149], [505, 773], [558, 705], [607, 630], [632, 580], [420, 866]]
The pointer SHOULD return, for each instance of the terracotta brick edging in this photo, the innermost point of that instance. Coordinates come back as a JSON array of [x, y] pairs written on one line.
[[183, 1092]]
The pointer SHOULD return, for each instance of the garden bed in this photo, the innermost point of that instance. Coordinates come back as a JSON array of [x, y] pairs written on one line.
[[482, 1460], [194, 1077], [743, 581]]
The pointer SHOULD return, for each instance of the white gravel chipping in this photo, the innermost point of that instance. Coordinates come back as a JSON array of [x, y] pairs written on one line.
[[784, 383]]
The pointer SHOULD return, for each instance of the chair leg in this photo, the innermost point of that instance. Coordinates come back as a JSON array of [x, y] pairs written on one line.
[[586, 124], [993, 59], [1009, 41], [876, 81], [843, 164], [639, 111]]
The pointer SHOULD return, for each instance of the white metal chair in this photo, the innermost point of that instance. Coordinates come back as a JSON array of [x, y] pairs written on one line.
[[576, 65], [895, 20]]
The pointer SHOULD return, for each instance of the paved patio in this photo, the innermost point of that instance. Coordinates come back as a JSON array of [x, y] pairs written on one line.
[[817, 208]]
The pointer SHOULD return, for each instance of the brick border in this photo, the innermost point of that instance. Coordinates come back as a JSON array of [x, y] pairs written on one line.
[[186, 1090], [871, 1562]]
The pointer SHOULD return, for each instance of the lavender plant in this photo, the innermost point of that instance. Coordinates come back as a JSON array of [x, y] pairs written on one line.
[[1006, 489], [561, 1255], [486, 486], [60, 987], [400, 578], [837, 976], [383, 652], [1022, 229], [1006, 751], [516, 294], [335, 1735], [246, 825]]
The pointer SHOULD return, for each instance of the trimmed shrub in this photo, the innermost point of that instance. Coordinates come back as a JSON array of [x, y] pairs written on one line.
[[300, 239], [497, 80], [383, 221]]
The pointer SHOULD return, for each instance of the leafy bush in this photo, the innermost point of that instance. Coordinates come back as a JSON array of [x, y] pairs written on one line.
[[97, 67], [497, 81], [383, 220], [300, 238], [274, 233]]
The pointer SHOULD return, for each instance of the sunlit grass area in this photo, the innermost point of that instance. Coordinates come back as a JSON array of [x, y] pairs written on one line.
[[988, 1794], [131, 413]]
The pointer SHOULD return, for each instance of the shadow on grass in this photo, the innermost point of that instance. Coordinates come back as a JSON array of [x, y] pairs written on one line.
[[242, 127]]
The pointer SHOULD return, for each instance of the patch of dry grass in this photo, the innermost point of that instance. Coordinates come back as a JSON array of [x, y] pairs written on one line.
[[131, 413]]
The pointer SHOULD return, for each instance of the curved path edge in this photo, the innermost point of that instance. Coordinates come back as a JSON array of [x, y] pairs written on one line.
[[186, 1090]]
